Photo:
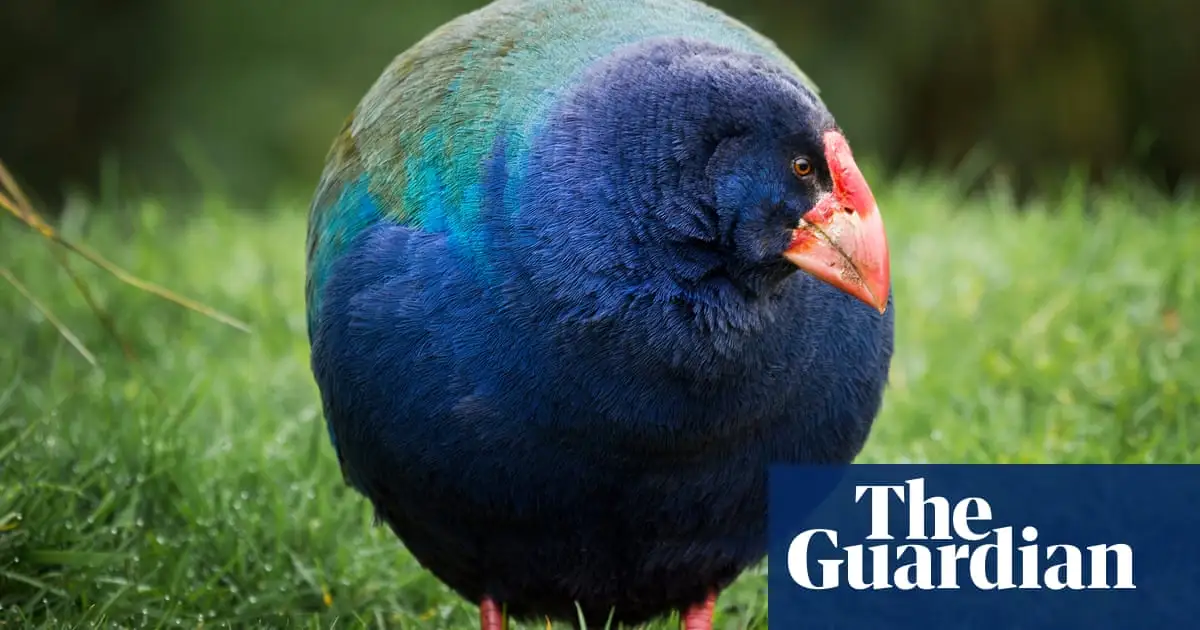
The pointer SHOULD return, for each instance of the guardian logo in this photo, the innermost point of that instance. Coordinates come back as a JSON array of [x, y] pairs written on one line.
[[984, 546], [946, 543]]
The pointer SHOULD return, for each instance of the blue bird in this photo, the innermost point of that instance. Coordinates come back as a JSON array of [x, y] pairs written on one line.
[[578, 273]]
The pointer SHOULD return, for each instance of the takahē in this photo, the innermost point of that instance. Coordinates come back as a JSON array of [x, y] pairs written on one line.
[[578, 272]]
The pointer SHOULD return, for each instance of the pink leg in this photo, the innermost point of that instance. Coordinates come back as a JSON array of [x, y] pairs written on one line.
[[699, 617], [491, 617]]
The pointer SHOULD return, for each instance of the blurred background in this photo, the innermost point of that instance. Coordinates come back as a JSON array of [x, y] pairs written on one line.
[[167, 97]]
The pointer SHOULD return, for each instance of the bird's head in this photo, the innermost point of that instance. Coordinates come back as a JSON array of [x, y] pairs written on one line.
[[720, 168], [792, 197]]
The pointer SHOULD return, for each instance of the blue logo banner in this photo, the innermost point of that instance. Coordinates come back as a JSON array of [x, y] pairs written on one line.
[[984, 547]]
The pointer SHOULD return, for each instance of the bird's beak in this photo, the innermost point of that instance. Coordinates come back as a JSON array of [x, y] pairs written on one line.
[[841, 241]]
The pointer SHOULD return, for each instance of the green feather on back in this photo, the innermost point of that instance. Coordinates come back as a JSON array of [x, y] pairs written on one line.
[[413, 150]]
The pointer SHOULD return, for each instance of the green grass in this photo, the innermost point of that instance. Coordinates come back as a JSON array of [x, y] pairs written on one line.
[[195, 487]]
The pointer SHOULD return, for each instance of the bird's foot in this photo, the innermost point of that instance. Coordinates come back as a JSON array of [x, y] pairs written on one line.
[[491, 617], [699, 617]]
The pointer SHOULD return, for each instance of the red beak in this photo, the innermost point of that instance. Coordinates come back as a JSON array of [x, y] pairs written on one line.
[[841, 241]]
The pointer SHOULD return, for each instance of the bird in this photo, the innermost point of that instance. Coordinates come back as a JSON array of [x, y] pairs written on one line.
[[578, 274]]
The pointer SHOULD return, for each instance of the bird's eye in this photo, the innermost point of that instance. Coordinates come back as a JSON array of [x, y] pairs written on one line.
[[802, 167]]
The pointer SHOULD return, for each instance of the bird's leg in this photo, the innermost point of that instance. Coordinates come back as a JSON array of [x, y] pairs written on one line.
[[491, 617], [699, 617]]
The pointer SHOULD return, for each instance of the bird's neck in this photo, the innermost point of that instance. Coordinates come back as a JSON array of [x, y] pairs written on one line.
[[701, 327], [728, 322]]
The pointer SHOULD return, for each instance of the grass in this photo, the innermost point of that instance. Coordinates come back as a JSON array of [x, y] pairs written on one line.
[[193, 487]]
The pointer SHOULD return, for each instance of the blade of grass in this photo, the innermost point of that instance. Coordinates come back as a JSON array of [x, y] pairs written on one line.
[[34, 582], [106, 320], [30, 217], [12, 446], [75, 558], [50, 317]]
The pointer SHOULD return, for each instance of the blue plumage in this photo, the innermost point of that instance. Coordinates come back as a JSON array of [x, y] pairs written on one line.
[[575, 398]]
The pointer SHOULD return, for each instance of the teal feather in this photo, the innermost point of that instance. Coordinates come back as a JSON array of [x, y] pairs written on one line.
[[413, 151]]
